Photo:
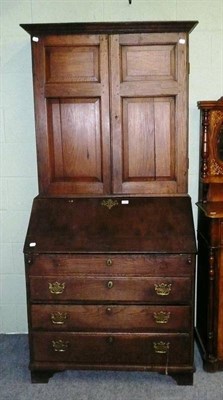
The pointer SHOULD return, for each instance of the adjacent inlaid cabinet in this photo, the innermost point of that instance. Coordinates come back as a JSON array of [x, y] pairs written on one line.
[[110, 248], [210, 236]]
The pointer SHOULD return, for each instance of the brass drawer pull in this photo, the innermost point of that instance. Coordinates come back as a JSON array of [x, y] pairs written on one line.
[[161, 347], [110, 284], [109, 262], [58, 318], [60, 346], [56, 287], [109, 310], [161, 317], [163, 289]]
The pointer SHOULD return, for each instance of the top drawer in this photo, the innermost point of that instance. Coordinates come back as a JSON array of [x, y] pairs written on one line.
[[136, 265]]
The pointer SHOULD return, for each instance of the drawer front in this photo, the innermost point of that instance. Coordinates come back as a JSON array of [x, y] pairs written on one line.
[[116, 318], [112, 349], [146, 265], [111, 289]]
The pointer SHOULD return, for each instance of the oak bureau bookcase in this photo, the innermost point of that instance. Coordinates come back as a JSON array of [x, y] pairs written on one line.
[[110, 248]]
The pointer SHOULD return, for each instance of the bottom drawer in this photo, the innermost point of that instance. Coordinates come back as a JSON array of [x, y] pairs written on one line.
[[112, 349]]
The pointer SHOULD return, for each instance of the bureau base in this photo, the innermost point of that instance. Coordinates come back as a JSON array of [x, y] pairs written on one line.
[[181, 378], [106, 291]]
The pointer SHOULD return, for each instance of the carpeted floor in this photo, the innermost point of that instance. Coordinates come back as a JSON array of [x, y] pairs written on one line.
[[97, 385]]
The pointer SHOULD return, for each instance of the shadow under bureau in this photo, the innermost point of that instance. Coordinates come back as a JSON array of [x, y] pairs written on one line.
[[110, 285]]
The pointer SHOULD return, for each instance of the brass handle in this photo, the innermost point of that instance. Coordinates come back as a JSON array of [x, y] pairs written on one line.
[[60, 345], [58, 318], [161, 347], [108, 310], [109, 262], [56, 287], [161, 317], [163, 289], [110, 284]]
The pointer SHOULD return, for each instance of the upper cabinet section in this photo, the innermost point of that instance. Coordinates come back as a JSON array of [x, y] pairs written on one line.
[[111, 107]]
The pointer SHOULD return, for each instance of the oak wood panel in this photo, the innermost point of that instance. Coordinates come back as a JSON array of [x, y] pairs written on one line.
[[148, 139], [138, 139], [113, 318], [74, 64], [148, 62], [75, 140]]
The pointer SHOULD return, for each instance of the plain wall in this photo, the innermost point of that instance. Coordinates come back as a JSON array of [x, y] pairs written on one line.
[[18, 169]]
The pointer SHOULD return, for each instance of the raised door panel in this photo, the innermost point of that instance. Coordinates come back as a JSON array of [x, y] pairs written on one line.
[[72, 114], [149, 143], [75, 150], [149, 113], [72, 64]]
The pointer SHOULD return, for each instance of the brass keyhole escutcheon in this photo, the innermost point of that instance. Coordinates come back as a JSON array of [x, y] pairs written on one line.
[[110, 284], [109, 262], [110, 340]]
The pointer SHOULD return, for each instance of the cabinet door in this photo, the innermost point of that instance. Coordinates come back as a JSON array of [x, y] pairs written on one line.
[[149, 113], [72, 114]]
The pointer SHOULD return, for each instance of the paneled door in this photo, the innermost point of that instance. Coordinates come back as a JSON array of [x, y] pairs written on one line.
[[149, 118], [72, 114]]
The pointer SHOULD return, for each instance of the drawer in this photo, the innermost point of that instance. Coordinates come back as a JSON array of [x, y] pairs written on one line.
[[146, 265], [111, 289], [112, 349], [111, 318]]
